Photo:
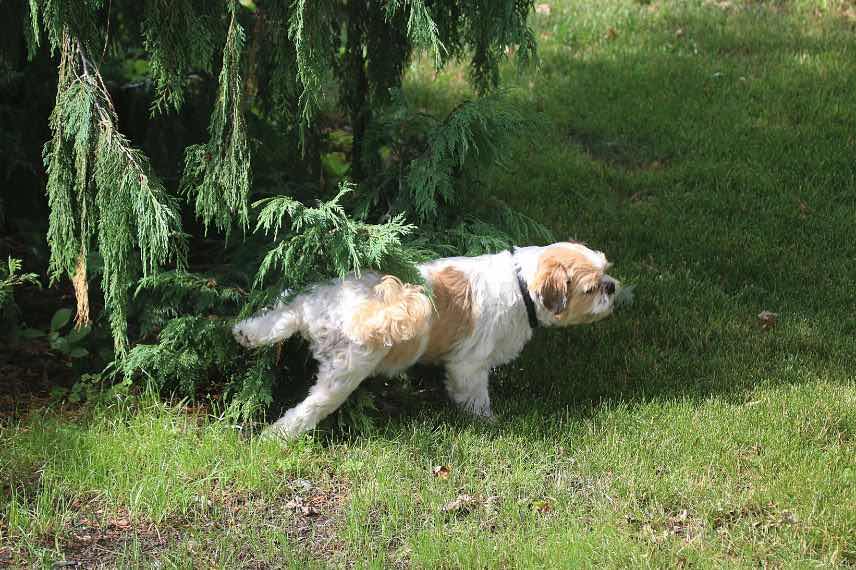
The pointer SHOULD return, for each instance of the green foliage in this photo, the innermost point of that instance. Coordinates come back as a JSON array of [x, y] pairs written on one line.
[[180, 37], [309, 27], [217, 174], [189, 347], [68, 344], [102, 189], [282, 69], [324, 241], [474, 130], [170, 294], [433, 171], [10, 278], [93, 389], [190, 315]]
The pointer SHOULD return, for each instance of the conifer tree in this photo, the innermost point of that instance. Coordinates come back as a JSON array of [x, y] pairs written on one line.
[[275, 66]]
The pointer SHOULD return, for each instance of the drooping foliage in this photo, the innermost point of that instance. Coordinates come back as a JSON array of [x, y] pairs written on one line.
[[312, 152], [217, 174], [101, 189]]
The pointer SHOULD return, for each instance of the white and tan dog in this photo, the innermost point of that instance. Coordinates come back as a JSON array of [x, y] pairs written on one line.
[[479, 314]]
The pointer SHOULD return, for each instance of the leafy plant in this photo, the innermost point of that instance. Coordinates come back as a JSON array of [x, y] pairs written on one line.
[[10, 278], [69, 343], [282, 71]]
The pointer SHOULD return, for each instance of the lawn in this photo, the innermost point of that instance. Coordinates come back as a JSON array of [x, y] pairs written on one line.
[[708, 148]]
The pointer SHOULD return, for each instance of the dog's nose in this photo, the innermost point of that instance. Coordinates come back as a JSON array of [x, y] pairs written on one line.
[[609, 287]]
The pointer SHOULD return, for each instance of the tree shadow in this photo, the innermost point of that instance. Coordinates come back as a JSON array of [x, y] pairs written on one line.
[[713, 158]]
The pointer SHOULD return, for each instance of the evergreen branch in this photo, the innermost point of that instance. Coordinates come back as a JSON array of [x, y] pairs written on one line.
[[100, 186], [11, 278], [421, 27], [308, 31], [472, 129], [179, 38], [323, 241], [217, 174]]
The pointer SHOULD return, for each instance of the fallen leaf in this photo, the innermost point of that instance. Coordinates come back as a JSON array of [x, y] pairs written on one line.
[[767, 320], [302, 485], [297, 505], [804, 209], [543, 9], [440, 472], [462, 504], [679, 33], [611, 33], [542, 506]]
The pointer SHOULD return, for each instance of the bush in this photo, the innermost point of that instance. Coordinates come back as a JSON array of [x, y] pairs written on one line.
[[313, 164]]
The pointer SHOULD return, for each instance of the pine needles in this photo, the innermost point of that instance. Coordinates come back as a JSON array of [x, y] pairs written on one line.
[[324, 240], [102, 190], [278, 63], [217, 174]]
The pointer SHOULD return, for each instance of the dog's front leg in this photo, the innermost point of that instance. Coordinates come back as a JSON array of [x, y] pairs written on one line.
[[269, 326], [467, 386]]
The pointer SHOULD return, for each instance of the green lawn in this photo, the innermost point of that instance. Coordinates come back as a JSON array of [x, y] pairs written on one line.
[[708, 148]]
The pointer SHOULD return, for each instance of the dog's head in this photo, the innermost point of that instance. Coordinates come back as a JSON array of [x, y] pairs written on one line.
[[571, 284]]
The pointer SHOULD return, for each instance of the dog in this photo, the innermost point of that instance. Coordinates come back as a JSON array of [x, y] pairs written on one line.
[[472, 314]]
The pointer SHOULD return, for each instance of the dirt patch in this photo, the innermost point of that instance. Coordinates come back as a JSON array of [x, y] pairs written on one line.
[[93, 536], [761, 517], [660, 527], [307, 513]]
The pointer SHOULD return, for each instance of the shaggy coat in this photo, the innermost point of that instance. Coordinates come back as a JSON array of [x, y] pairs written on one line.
[[470, 317]]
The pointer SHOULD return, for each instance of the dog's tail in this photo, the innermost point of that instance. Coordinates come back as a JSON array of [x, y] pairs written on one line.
[[270, 326], [397, 313]]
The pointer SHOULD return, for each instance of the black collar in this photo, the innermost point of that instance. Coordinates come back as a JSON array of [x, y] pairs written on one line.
[[524, 291]]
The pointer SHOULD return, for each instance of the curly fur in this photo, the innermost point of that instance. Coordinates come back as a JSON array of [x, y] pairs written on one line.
[[474, 320]]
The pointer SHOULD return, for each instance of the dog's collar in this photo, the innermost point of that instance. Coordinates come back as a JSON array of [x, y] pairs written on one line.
[[524, 292]]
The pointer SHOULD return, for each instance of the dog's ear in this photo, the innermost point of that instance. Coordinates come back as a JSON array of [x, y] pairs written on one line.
[[552, 286]]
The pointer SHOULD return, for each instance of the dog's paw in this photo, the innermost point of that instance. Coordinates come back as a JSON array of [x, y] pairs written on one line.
[[275, 435], [491, 419]]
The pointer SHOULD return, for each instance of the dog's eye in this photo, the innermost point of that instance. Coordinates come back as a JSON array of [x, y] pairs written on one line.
[[590, 290]]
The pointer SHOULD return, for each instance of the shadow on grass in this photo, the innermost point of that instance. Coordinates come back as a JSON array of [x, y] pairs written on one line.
[[709, 153]]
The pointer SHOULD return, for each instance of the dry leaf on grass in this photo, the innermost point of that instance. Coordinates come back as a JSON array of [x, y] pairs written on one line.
[[298, 505], [462, 504], [441, 471], [767, 320]]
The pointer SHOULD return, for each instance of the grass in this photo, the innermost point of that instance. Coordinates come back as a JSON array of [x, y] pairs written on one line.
[[708, 148]]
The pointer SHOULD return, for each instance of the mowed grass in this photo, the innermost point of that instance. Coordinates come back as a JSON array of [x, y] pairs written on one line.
[[708, 149]]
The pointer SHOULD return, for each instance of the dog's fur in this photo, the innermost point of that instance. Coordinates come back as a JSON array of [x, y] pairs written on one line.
[[473, 319]]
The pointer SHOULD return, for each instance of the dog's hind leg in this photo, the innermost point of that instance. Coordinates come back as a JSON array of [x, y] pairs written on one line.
[[338, 377], [270, 326], [467, 386]]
